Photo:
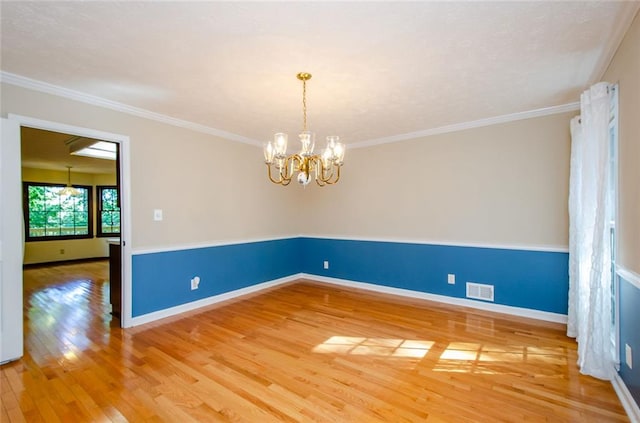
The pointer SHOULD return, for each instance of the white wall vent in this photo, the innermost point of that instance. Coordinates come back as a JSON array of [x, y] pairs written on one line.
[[480, 291]]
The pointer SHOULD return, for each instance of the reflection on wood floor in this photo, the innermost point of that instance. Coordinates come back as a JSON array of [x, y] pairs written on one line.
[[300, 352], [66, 307]]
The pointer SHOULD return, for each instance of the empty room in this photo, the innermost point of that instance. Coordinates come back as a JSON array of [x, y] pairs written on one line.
[[320, 211]]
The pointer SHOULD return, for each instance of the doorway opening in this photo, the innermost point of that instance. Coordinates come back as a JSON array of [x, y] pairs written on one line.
[[17, 226], [71, 259]]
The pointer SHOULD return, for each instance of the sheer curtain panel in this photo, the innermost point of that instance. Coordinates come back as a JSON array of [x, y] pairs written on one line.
[[589, 245]]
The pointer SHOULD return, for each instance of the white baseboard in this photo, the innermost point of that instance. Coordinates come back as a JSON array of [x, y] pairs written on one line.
[[627, 400], [497, 308], [182, 308]]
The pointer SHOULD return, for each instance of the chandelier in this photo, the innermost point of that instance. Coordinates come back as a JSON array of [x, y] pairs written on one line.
[[69, 190], [324, 167]]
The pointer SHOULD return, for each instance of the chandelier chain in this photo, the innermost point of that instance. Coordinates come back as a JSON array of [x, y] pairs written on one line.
[[304, 104]]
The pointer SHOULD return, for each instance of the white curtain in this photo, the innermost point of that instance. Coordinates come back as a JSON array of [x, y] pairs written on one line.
[[589, 237]]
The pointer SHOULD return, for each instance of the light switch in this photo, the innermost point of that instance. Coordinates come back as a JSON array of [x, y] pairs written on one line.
[[157, 215]]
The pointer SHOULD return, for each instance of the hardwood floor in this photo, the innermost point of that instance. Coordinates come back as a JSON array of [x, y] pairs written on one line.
[[300, 352]]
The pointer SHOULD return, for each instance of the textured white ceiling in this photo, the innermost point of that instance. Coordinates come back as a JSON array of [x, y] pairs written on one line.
[[379, 69]]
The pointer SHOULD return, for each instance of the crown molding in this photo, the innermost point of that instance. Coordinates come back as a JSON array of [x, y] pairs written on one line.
[[545, 111], [45, 87]]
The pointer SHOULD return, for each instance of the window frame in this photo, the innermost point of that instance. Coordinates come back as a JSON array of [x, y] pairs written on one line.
[[26, 212], [99, 233], [613, 176]]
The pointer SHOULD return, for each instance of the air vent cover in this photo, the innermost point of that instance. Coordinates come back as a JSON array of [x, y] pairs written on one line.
[[480, 291]]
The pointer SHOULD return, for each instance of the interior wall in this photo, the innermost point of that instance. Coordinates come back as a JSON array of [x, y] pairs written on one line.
[[68, 249], [500, 185], [504, 184], [625, 70], [210, 190]]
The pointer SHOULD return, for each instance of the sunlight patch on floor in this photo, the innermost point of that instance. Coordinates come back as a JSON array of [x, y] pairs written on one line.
[[468, 357], [379, 347]]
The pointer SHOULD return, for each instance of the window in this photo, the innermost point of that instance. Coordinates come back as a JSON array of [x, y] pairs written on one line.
[[108, 211], [50, 216]]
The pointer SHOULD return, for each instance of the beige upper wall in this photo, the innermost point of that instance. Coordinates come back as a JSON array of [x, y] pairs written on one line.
[[210, 189], [504, 184], [499, 185], [625, 70]]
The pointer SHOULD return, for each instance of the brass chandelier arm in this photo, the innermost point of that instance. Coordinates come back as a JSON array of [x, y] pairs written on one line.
[[282, 181], [307, 165], [291, 164], [322, 181], [295, 158], [322, 178], [323, 173]]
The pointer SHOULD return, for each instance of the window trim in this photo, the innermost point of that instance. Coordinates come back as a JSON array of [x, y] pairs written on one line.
[[614, 239], [26, 211], [99, 233]]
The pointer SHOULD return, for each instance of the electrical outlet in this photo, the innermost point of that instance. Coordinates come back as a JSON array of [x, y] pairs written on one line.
[[628, 356], [451, 279], [326, 264], [195, 282], [157, 215]]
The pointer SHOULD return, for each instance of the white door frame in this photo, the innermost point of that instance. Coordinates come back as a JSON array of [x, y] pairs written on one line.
[[125, 192], [11, 251]]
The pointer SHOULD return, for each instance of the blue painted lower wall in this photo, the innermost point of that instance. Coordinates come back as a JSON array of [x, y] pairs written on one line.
[[629, 334], [162, 280], [529, 279]]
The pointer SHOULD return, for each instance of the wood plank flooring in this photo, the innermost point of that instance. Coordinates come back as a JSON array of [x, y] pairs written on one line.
[[301, 352]]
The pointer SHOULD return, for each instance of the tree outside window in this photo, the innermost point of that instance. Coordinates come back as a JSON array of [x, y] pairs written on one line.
[[50, 216], [108, 211]]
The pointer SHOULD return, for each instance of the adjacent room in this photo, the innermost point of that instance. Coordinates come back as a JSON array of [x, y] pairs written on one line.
[[320, 211]]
